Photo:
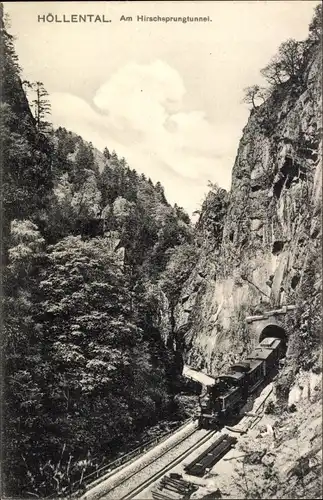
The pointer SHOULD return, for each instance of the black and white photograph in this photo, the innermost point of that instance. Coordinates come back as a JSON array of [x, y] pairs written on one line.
[[161, 245]]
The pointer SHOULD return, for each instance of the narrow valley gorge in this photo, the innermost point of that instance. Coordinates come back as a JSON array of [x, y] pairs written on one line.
[[109, 291]]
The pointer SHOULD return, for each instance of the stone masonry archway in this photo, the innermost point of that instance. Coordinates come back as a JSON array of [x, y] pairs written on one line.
[[269, 324], [273, 330]]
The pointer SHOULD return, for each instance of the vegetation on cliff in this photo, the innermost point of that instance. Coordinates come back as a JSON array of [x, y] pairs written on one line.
[[260, 243], [289, 64]]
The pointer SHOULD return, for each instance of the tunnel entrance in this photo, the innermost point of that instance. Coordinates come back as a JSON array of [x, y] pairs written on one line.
[[277, 332]]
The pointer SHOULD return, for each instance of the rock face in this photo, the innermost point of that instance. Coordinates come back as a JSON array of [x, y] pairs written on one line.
[[272, 228]]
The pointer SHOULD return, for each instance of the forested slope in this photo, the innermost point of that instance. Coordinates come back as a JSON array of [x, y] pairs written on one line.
[[86, 246]]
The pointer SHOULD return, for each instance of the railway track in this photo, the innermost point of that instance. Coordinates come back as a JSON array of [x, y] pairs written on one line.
[[136, 477], [122, 462], [158, 474], [145, 471]]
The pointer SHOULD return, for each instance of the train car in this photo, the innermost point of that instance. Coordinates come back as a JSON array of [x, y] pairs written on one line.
[[256, 374], [273, 343], [274, 348], [230, 391], [269, 351]]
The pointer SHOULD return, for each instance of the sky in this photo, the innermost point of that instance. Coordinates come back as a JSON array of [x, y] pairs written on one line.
[[166, 96]]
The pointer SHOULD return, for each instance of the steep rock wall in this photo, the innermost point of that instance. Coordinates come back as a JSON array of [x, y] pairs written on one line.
[[272, 230]]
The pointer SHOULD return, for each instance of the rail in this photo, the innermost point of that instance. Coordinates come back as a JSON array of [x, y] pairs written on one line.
[[109, 469], [143, 467], [154, 477]]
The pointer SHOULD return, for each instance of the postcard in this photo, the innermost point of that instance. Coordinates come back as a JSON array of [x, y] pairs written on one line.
[[161, 249]]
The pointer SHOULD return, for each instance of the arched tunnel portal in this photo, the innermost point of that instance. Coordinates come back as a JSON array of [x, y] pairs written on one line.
[[274, 330], [268, 325]]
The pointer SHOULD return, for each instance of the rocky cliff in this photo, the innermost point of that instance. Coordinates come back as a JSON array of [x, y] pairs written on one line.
[[269, 255]]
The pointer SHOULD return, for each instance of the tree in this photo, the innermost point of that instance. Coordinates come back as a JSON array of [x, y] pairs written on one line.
[[42, 107], [114, 156], [84, 159], [291, 53], [83, 168], [22, 363], [10, 69], [106, 153], [286, 64], [160, 191], [27, 176], [64, 146], [253, 94], [66, 359], [315, 28], [25, 242]]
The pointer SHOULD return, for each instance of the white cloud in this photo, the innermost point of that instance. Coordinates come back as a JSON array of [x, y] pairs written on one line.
[[182, 70], [138, 113], [142, 91]]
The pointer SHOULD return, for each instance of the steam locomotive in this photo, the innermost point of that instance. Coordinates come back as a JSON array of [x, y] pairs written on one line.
[[226, 395]]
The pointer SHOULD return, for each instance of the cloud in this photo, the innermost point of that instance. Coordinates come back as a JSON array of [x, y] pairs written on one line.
[[139, 112], [142, 92]]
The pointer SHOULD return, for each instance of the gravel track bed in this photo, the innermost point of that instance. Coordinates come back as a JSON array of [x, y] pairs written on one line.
[[99, 490], [154, 467]]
